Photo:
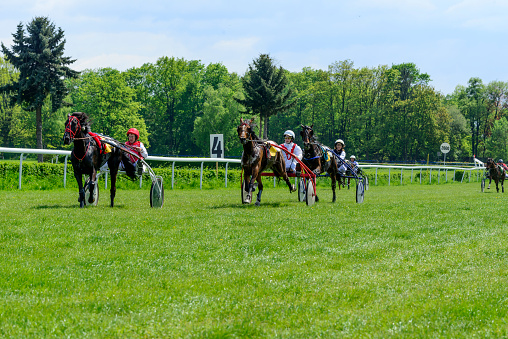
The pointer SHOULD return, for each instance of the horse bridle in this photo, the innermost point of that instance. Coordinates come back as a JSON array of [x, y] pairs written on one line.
[[72, 133]]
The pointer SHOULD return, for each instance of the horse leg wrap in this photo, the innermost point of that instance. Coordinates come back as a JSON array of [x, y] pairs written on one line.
[[81, 195], [91, 187], [258, 199]]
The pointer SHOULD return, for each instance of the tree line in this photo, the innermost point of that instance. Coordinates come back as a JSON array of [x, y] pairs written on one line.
[[383, 113]]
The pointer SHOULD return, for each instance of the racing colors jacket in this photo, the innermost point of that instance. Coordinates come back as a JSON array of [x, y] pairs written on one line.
[[288, 158]]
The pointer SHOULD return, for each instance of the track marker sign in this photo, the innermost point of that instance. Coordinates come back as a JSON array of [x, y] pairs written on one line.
[[445, 148], [216, 146]]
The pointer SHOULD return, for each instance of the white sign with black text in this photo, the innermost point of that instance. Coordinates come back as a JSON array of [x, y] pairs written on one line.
[[216, 146]]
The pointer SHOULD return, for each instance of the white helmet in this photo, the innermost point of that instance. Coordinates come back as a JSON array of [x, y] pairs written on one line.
[[290, 133], [352, 157], [339, 141]]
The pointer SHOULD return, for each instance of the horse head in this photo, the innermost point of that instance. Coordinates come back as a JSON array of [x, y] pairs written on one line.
[[490, 163], [307, 134], [76, 124], [245, 132]]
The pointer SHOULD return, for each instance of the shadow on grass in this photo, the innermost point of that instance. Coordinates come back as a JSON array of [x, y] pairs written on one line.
[[57, 206], [252, 205]]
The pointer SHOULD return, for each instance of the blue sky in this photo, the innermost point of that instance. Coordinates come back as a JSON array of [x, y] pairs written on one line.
[[451, 41]]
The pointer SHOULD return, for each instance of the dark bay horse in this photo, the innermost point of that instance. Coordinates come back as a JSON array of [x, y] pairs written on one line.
[[318, 158], [256, 158], [496, 172], [86, 156]]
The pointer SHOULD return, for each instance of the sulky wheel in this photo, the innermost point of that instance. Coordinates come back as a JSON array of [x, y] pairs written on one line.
[[302, 190], [310, 197], [359, 191], [157, 193], [95, 193], [366, 183]]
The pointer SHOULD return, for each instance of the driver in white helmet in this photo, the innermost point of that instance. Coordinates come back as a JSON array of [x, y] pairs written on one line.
[[341, 153], [289, 145], [354, 163]]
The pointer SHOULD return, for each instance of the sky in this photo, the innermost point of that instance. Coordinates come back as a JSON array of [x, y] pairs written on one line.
[[450, 40]]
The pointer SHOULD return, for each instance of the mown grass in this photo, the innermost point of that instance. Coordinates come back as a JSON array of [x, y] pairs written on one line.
[[411, 261]]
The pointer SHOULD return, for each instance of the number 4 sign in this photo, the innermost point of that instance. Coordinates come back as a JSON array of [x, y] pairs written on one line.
[[216, 146]]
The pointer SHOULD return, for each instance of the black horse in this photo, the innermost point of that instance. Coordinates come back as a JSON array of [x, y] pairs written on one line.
[[318, 158], [86, 156], [496, 172], [256, 158]]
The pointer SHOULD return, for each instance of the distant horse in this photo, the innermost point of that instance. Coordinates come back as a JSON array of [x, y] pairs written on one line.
[[256, 158], [318, 158], [496, 172], [86, 156]]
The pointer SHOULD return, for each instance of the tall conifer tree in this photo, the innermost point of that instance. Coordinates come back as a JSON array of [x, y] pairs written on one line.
[[266, 90], [38, 55]]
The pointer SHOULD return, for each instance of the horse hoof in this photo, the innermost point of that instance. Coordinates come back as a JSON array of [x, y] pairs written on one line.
[[258, 203]]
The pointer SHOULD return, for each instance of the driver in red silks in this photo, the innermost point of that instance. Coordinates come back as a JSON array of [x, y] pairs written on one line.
[[132, 166]]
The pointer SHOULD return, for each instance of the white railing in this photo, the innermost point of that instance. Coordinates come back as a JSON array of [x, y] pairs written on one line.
[[478, 166], [422, 168], [23, 151]]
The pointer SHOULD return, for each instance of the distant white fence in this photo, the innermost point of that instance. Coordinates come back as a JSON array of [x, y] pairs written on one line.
[[478, 166], [437, 169]]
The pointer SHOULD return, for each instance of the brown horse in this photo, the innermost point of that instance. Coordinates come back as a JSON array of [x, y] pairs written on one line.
[[256, 158], [318, 158], [496, 172]]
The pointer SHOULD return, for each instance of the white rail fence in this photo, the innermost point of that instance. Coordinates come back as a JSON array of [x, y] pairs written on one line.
[[478, 166]]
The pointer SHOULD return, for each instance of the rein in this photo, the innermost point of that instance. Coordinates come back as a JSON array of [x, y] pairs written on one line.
[[73, 134]]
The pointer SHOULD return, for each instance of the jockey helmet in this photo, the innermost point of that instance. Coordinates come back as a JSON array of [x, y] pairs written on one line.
[[133, 131], [339, 141], [290, 133], [352, 157], [500, 161]]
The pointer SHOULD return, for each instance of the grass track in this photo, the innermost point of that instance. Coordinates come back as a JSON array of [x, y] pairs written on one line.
[[411, 261]]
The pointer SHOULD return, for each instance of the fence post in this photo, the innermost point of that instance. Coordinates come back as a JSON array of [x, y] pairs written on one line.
[[389, 175], [401, 176], [65, 170], [172, 174], [376, 177], [411, 175], [438, 175], [430, 176], [420, 175], [226, 176], [20, 170], [201, 176]]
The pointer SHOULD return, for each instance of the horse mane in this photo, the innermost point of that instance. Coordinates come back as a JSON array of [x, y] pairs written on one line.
[[84, 120], [313, 138]]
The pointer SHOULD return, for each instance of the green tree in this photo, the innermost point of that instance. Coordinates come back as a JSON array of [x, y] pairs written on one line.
[[103, 94], [170, 92], [497, 144], [220, 116], [266, 90], [38, 55], [459, 137]]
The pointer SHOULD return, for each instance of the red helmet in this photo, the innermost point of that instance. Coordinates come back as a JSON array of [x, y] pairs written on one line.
[[133, 131]]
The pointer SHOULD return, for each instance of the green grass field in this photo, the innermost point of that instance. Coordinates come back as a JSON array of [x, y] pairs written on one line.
[[411, 261]]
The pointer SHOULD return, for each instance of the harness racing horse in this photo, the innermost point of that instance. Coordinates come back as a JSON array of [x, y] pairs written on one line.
[[86, 156], [318, 158], [496, 172], [256, 158]]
